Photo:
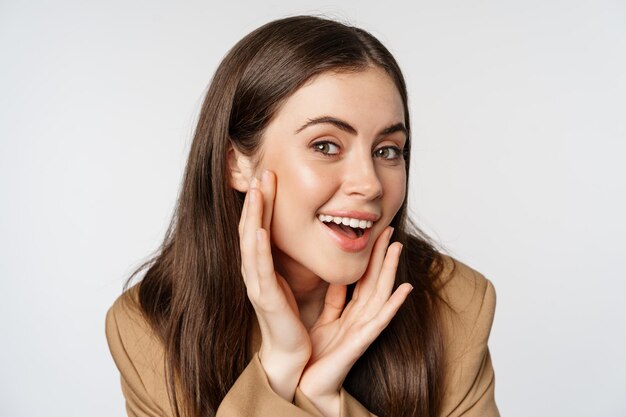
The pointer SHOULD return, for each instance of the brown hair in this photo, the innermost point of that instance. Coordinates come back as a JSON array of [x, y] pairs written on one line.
[[193, 290]]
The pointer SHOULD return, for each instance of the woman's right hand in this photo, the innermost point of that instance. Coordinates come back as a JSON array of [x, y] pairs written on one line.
[[285, 347]]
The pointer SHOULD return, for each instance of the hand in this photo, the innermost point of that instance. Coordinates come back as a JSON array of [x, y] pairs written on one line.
[[286, 347], [340, 336]]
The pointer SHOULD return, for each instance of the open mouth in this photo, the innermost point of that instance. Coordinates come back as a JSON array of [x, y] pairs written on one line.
[[349, 232], [347, 227]]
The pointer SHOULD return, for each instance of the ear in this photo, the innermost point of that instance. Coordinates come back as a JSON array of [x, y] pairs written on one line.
[[241, 170]]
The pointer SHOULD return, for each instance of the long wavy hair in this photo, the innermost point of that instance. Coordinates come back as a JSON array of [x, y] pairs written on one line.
[[193, 290]]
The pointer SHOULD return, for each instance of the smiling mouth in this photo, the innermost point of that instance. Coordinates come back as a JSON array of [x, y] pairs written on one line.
[[351, 239], [349, 232], [346, 227]]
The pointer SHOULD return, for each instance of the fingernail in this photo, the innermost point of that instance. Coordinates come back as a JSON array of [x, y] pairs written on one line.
[[265, 176], [254, 182], [252, 195], [391, 229]]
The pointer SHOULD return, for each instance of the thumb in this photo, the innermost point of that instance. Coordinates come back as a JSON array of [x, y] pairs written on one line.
[[333, 304]]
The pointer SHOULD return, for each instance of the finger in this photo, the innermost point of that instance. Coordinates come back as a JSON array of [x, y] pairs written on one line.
[[392, 306], [243, 214], [367, 284], [388, 272], [252, 221], [288, 293], [242, 220], [334, 302], [253, 213], [246, 203], [264, 263], [268, 186]]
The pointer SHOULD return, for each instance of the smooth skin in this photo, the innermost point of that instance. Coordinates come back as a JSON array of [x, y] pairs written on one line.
[[319, 359], [295, 274]]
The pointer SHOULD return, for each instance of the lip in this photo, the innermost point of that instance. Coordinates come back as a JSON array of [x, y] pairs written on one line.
[[361, 215], [346, 244]]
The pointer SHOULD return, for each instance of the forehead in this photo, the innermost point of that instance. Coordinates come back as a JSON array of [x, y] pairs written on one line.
[[366, 99]]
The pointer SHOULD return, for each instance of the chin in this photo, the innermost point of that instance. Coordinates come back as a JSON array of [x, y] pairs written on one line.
[[341, 280], [343, 275]]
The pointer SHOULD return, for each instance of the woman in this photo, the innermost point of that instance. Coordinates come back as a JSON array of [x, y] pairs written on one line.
[[276, 291]]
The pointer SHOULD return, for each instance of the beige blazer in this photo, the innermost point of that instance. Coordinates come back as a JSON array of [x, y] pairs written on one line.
[[468, 373]]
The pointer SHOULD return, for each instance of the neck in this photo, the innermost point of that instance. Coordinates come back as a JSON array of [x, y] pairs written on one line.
[[310, 301], [308, 289]]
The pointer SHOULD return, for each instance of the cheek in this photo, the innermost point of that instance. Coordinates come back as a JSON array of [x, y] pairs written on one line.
[[394, 186], [301, 189]]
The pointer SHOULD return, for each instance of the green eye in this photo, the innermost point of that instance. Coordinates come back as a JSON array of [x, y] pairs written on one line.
[[389, 153], [326, 148]]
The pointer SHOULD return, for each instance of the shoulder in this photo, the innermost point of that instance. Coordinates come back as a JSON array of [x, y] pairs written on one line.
[[467, 312], [126, 325], [466, 293], [125, 309], [137, 351], [468, 307]]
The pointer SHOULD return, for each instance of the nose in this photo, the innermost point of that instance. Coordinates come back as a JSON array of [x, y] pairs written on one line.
[[361, 178]]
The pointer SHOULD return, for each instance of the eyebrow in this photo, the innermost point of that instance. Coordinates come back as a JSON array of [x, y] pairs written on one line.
[[346, 127]]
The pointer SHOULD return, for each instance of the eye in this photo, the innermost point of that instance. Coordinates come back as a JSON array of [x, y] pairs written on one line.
[[388, 153], [326, 148]]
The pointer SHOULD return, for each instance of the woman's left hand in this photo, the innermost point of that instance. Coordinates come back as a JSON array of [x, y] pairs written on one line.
[[340, 336]]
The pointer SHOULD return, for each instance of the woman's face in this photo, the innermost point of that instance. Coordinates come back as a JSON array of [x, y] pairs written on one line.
[[336, 148]]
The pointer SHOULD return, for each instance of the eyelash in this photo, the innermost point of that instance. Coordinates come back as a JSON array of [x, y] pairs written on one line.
[[399, 152]]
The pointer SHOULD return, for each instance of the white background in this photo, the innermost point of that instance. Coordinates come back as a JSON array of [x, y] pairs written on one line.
[[520, 142]]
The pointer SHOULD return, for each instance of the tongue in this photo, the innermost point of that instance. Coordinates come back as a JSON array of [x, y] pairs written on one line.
[[346, 230]]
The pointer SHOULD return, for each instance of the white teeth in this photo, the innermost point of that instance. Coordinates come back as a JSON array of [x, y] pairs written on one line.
[[361, 224]]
